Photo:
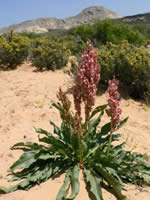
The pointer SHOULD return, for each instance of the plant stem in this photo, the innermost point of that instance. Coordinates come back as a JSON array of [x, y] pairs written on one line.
[[110, 140], [79, 143], [109, 144]]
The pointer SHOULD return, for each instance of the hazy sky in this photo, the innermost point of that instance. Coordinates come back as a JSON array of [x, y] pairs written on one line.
[[16, 11]]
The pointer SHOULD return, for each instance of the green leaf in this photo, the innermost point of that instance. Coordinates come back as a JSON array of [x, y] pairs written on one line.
[[91, 152], [94, 123], [95, 187], [57, 130], [146, 178], [31, 145], [23, 185], [105, 129], [58, 145], [34, 175], [47, 156], [110, 180], [122, 123], [97, 109], [57, 106], [105, 140], [66, 132], [4, 190], [65, 187], [25, 160], [74, 182], [41, 131], [114, 173], [91, 135]]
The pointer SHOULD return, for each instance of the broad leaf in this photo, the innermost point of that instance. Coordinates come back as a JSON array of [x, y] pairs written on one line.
[[46, 156], [111, 181], [97, 110], [95, 187], [57, 130], [74, 182], [94, 123], [65, 187], [91, 152], [4, 190], [42, 131], [30, 145], [122, 123], [25, 160], [105, 129], [57, 145]]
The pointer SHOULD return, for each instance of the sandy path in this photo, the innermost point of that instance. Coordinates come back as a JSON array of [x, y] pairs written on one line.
[[24, 103]]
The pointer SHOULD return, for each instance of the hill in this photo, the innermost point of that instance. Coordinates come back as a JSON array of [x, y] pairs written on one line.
[[41, 25], [143, 18]]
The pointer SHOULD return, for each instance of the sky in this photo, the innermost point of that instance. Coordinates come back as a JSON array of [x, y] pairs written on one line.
[[16, 11]]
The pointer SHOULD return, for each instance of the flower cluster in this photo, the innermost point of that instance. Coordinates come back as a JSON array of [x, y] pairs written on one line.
[[114, 111], [88, 75], [65, 103]]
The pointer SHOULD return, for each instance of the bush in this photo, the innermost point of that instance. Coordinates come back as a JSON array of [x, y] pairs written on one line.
[[49, 54], [129, 64], [31, 35], [13, 50], [84, 31], [103, 31], [74, 43]]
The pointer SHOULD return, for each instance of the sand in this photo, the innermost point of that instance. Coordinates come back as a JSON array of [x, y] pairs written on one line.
[[25, 97]]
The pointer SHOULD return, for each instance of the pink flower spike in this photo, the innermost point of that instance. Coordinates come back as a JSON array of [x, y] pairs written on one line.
[[88, 76], [114, 111]]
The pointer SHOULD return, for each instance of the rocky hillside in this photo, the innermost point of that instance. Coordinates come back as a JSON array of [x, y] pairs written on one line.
[[136, 19], [88, 15]]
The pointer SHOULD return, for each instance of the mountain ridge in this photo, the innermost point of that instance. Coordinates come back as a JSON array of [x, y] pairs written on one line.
[[41, 25], [86, 16]]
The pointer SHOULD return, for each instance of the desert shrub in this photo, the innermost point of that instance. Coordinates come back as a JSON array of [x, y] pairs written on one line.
[[74, 43], [103, 31], [147, 43], [129, 63], [115, 32], [84, 31], [144, 29], [49, 54], [31, 35], [13, 50]]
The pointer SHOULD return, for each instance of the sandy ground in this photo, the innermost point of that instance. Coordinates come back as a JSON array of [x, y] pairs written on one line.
[[25, 97]]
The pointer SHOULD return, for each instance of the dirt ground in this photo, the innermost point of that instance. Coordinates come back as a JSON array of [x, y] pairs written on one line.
[[25, 97]]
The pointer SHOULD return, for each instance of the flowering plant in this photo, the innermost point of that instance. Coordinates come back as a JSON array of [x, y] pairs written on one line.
[[80, 145]]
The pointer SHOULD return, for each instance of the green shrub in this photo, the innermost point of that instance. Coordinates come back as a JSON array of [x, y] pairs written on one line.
[[13, 50], [74, 43], [31, 35], [115, 32], [129, 64], [49, 54], [84, 31], [103, 31]]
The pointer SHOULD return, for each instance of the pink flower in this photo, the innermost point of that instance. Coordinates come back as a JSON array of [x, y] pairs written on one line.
[[114, 111], [88, 76]]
